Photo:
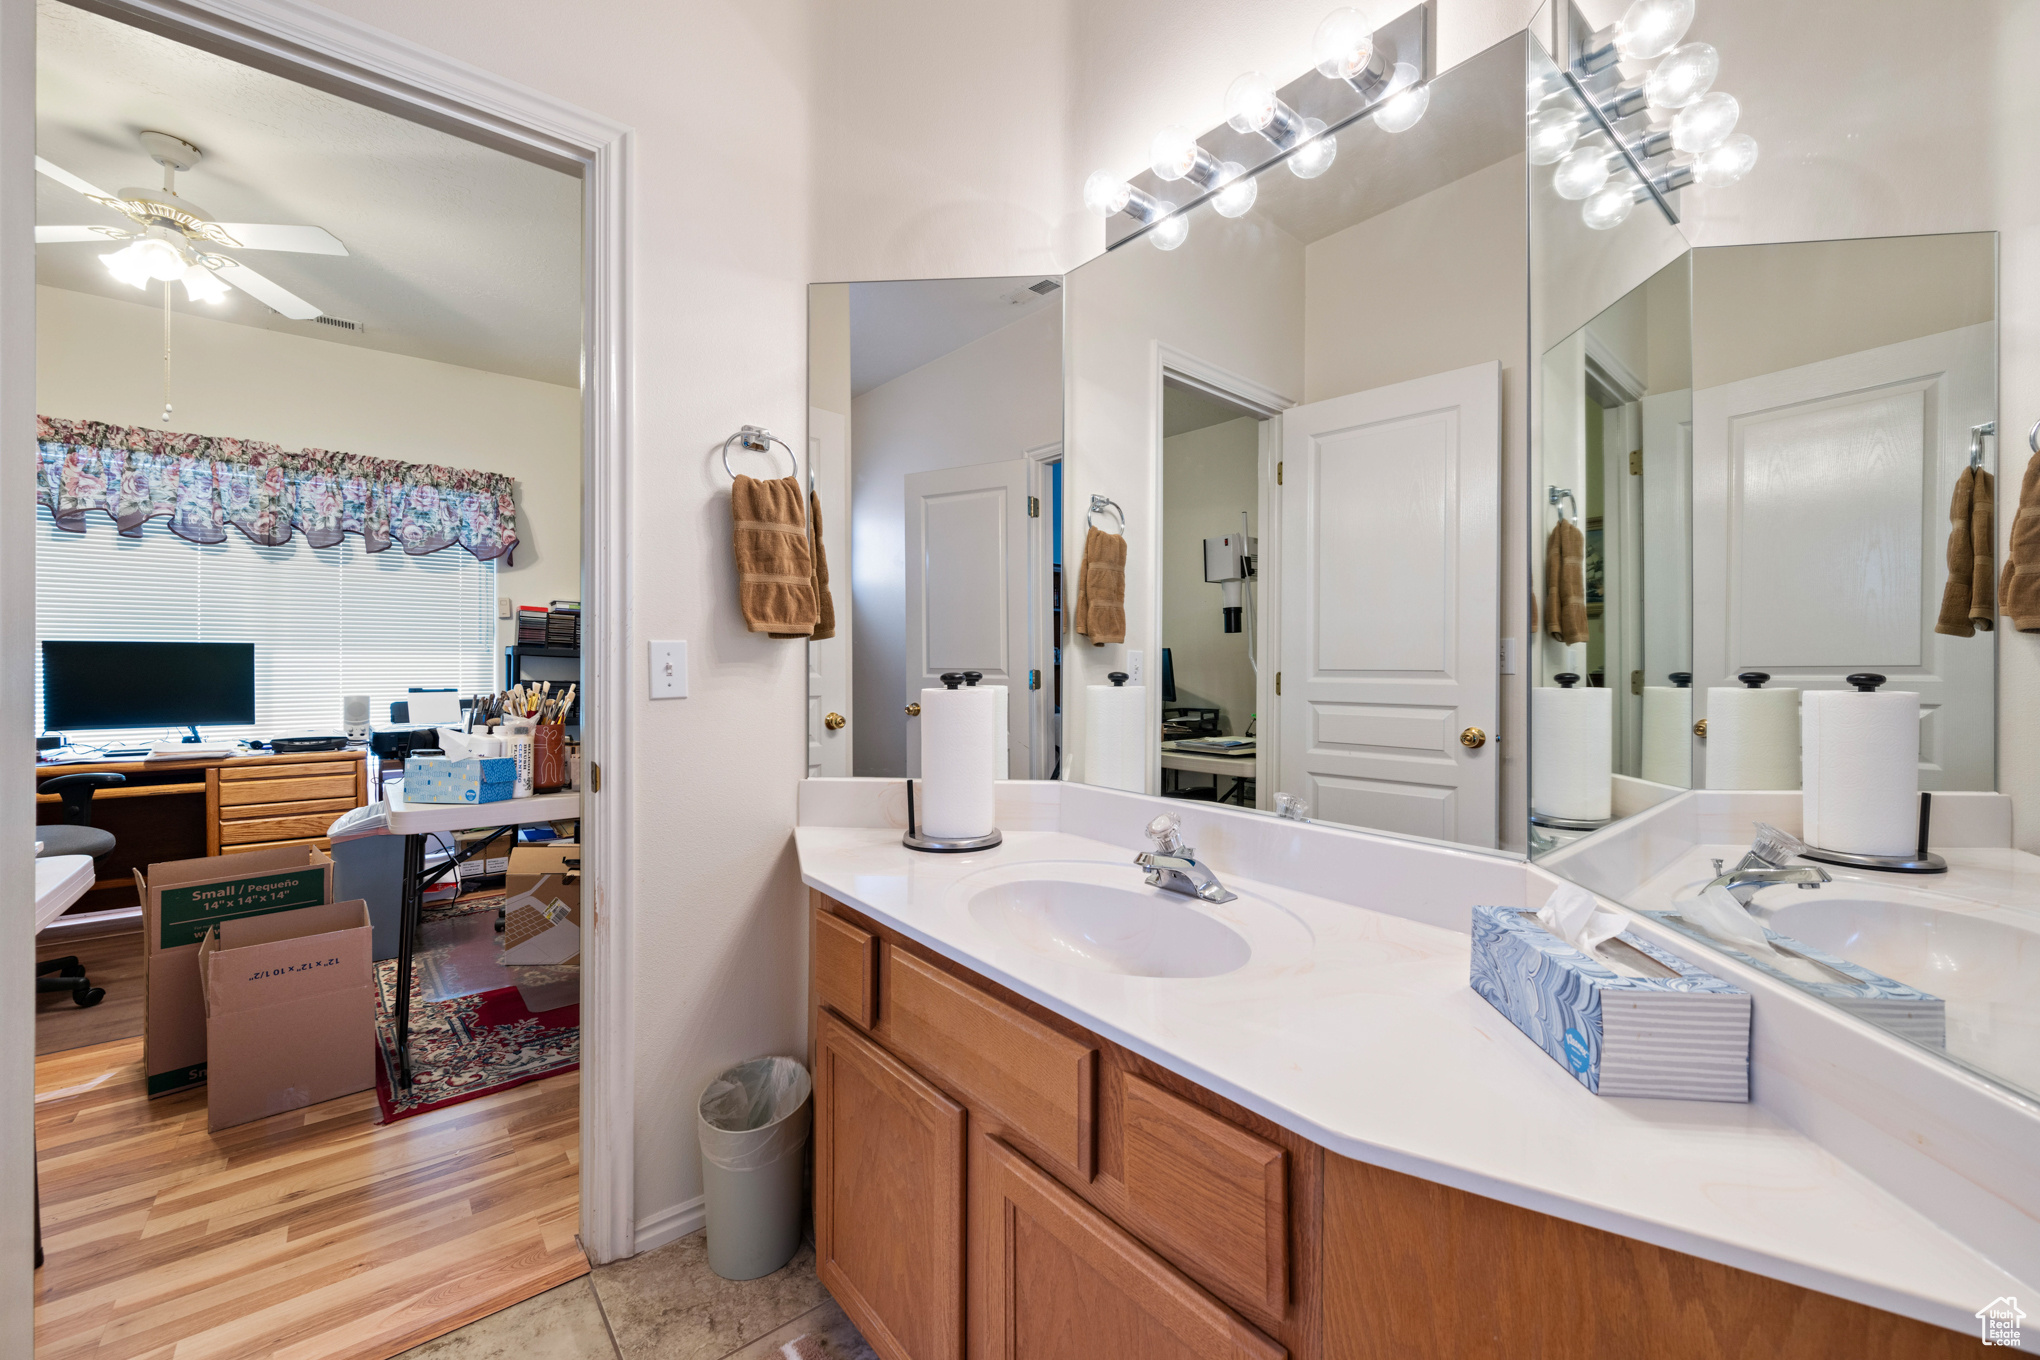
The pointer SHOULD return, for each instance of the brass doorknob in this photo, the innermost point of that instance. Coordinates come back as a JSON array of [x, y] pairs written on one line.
[[1700, 729], [1473, 738], [913, 710], [834, 722]]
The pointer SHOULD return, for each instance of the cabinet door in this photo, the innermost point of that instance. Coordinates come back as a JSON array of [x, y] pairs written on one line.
[[889, 1206], [1063, 1282]]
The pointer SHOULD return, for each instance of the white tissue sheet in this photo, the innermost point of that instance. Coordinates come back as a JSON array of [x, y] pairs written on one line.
[[959, 743], [1752, 738], [1862, 763], [1577, 917]]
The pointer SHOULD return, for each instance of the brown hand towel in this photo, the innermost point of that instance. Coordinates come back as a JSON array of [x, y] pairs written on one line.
[[1565, 583], [825, 603], [775, 572], [2019, 587], [1965, 600], [1101, 588]]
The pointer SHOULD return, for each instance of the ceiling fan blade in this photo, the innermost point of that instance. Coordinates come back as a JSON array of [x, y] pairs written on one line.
[[304, 240], [50, 235], [69, 180], [266, 291]]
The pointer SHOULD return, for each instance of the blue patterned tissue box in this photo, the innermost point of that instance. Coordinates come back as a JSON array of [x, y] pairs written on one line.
[[468, 779], [1685, 1037]]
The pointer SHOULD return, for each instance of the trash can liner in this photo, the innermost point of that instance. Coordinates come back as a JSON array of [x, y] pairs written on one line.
[[756, 1113]]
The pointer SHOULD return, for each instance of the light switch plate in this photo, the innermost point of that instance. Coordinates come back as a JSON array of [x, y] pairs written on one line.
[[505, 607], [669, 670], [1135, 668], [1508, 656]]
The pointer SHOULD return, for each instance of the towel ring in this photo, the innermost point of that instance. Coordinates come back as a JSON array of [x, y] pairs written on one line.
[[2033, 437], [1561, 493], [1100, 504], [1979, 433], [758, 439]]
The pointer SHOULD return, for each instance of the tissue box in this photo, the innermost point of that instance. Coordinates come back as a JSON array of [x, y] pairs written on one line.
[[443, 779], [1685, 1036], [1887, 1003]]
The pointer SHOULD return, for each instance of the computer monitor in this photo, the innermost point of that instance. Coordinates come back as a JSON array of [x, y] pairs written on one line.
[[1168, 677], [147, 684]]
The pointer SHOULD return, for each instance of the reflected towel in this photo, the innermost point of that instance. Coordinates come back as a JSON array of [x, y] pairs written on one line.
[[1565, 583], [825, 603], [1966, 601], [1101, 588], [775, 571], [2019, 587]]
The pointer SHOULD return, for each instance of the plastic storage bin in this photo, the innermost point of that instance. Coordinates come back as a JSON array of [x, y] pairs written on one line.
[[754, 1121]]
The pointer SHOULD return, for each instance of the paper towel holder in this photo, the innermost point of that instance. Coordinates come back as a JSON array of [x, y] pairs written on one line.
[[1922, 860], [1681, 679], [1566, 680], [943, 845]]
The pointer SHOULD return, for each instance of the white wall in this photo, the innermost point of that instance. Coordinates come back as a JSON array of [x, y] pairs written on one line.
[[102, 359], [988, 402], [1208, 477]]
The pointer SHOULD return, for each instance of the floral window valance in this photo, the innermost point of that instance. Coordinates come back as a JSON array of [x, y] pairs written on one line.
[[202, 483]]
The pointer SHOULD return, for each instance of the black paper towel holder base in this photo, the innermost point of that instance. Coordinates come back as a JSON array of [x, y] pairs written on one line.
[[943, 845], [1921, 861]]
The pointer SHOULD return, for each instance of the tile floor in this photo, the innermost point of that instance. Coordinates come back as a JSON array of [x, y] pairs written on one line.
[[666, 1304]]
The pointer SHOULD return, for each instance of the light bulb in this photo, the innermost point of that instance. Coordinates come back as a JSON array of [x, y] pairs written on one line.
[[1173, 152], [1106, 193], [1250, 102], [1239, 192], [1609, 208], [124, 265], [1581, 174], [1651, 28], [1705, 123], [1727, 163], [1551, 134], [1171, 230], [1683, 76], [145, 259], [1401, 112], [202, 285], [1317, 152], [1344, 44]]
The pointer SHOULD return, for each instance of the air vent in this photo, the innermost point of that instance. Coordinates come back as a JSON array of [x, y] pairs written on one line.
[[358, 327], [1045, 287]]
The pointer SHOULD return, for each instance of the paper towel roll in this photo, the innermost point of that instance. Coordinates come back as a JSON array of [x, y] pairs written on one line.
[[958, 744], [1668, 736], [1572, 753], [1115, 736], [1752, 738], [1862, 771], [1002, 737]]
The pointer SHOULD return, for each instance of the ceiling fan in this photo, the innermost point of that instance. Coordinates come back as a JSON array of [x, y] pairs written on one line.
[[177, 241]]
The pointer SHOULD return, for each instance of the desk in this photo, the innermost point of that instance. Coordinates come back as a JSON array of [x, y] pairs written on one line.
[[414, 822], [60, 880], [172, 808], [1200, 762]]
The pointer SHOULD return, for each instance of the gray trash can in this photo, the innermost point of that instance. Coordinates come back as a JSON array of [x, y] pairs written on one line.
[[754, 1121]]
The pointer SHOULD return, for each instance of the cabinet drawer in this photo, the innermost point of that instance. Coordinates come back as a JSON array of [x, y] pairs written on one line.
[[284, 790], [287, 769], [334, 806], [276, 828], [1210, 1194], [1040, 1083], [846, 969], [316, 842]]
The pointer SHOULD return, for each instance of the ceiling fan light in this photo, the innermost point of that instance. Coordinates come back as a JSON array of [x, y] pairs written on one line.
[[202, 285], [126, 266]]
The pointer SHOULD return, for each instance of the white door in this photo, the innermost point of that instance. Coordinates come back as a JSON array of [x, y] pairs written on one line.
[[829, 660], [1390, 556], [1820, 523], [1667, 548], [967, 590]]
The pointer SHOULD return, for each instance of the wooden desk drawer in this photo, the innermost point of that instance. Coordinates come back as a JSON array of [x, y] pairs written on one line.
[[288, 769], [335, 806], [1208, 1193], [1040, 1083], [319, 842], [276, 828], [846, 969], [247, 791]]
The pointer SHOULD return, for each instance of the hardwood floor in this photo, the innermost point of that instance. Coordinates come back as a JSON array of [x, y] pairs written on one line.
[[304, 1236], [113, 962]]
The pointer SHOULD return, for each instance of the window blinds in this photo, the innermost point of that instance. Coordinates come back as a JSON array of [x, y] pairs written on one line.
[[325, 622]]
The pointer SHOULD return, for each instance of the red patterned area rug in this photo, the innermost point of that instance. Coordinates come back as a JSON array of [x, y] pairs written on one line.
[[468, 1046]]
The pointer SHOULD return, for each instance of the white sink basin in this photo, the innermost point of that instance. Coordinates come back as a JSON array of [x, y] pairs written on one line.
[[1105, 919]]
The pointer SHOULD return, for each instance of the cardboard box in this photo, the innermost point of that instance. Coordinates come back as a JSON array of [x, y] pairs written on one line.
[[542, 915], [289, 1010], [181, 901], [443, 779], [485, 870]]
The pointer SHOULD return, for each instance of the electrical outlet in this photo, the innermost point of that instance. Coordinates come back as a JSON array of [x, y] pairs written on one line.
[[1508, 656], [505, 607], [669, 670], [1136, 668]]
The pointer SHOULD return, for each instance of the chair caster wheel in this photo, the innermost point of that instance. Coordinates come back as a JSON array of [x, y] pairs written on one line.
[[89, 996]]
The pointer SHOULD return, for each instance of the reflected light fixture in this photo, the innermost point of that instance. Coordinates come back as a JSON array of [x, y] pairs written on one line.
[[1581, 174], [1650, 28], [1252, 105], [1319, 150], [1105, 194], [1705, 123], [1401, 110], [1727, 163], [1609, 207], [1551, 135], [1683, 76], [1239, 192], [1171, 231]]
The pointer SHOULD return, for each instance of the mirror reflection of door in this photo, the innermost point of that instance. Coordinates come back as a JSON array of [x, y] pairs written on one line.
[[829, 661]]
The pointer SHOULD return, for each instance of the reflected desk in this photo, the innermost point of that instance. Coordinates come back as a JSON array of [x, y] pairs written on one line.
[[1240, 769]]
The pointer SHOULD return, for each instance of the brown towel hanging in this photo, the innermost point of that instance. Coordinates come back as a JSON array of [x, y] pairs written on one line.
[[825, 603], [2019, 586], [1101, 588], [1565, 583], [1966, 603], [775, 571]]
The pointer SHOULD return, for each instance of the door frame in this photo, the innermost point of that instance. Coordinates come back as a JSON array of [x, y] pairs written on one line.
[[1044, 742], [330, 52]]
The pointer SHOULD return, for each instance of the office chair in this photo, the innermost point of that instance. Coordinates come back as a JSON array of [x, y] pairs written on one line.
[[75, 835]]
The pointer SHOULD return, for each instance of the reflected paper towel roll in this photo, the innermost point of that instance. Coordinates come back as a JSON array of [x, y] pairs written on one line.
[[1115, 736], [1668, 735], [1572, 753], [1862, 771], [958, 742], [1752, 737]]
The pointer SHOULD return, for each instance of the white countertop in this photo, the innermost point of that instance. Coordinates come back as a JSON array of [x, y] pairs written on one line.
[[60, 880], [1369, 1042]]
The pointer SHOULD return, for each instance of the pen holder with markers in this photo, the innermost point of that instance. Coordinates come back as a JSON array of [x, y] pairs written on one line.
[[549, 757]]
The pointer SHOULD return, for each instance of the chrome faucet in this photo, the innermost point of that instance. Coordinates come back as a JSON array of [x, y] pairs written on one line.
[[1174, 865], [1743, 882]]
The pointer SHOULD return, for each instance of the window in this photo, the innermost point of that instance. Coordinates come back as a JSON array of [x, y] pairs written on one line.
[[325, 622]]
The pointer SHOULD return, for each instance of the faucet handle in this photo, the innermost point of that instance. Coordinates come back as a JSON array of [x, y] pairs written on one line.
[[1290, 806], [1167, 833]]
